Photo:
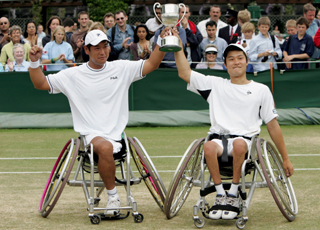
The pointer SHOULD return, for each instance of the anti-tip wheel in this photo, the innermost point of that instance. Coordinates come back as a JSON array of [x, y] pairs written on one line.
[[241, 223], [138, 218], [96, 219], [199, 222]]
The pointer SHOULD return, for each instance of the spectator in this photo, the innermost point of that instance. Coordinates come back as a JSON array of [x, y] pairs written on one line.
[[276, 31], [194, 37], [75, 27], [142, 47], [210, 56], [19, 64], [77, 38], [57, 51], [300, 47], [168, 60], [4, 31], [30, 33], [243, 17], [318, 16], [41, 34], [68, 26], [232, 31], [121, 35], [52, 23], [264, 48], [247, 30], [154, 24], [291, 27], [1, 68], [214, 40], [309, 12], [108, 20], [215, 13], [113, 53], [15, 36]]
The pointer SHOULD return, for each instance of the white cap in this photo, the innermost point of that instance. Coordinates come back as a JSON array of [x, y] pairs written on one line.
[[232, 47], [211, 49], [94, 37]]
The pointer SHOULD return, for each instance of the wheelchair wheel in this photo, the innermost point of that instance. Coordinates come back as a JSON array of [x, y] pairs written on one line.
[[279, 184], [147, 171], [182, 182], [58, 177]]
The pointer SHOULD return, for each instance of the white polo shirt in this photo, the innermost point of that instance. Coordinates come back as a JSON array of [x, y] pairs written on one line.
[[234, 109], [98, 98]]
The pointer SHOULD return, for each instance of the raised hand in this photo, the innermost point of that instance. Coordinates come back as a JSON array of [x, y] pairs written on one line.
[[35, 53]]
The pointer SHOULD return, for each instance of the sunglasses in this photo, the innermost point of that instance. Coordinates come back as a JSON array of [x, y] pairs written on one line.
[[3, 23], [118, 19], [211, 52]]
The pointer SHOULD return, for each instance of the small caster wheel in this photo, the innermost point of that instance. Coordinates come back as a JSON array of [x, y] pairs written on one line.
[[199, 222], [138, 218], [96, 219], [241, 223]]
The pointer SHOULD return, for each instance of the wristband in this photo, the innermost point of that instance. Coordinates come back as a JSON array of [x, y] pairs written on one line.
[[52, 60], [159, 41], [34, 65]]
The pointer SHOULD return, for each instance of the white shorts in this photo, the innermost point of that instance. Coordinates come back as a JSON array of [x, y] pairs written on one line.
[[116, 145], [230, 143]]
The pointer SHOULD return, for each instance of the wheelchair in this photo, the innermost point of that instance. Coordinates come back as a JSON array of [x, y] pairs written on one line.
[[86, 176], [262, 161]]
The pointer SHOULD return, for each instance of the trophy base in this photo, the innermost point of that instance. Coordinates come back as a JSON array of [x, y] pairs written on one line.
[[170, 48]]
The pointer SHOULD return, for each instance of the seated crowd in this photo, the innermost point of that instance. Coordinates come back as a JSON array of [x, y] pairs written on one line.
[[203, 43]]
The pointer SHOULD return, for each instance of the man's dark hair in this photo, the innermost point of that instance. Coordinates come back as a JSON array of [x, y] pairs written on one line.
[[68, 22], [121, 11], [108, 15], [82, 13], [302, 21], [211, 23]]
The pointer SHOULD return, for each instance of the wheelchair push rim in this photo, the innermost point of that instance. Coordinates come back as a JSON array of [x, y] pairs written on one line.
[[279, 184], [182, 182], [58, 177], [147, 172]]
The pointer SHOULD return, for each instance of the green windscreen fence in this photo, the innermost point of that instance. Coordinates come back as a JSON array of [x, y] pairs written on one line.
[[161, 90]]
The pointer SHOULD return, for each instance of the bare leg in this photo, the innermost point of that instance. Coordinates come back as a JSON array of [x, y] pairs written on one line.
[[106, 165], [238, 153], [211, 152]]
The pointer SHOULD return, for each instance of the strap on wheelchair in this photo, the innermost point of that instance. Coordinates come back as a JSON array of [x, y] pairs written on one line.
[[224, 138], [224, 208]]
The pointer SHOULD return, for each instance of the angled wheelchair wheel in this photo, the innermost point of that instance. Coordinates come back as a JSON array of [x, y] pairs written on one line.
[[58, 177], [182, 181], [279, 184], [147, 171]]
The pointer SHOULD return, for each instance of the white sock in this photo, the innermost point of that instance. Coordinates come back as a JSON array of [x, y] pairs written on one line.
[[220, 189], [112, 192], [234, 189]]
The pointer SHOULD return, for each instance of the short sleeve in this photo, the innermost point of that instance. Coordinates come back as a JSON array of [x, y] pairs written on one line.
[[268, 111], [57, 82], [198, 82]]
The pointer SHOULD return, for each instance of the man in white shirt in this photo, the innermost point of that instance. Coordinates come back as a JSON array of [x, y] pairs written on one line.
[[98, 96], [154, 24], [237, 108], [215, 13]]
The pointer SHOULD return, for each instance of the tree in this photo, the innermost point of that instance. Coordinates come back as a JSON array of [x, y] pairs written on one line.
[[36, 11], [98, 8]]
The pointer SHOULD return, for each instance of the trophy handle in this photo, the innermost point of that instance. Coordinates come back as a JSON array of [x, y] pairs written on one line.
[[180, 6], [154, 10]]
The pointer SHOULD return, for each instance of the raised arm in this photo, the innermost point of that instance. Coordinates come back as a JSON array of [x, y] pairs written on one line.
[[156, 56], [38, 79], [184, 70], [277, 137]]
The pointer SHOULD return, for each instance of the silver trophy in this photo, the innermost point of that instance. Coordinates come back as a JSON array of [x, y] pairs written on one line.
[[170, 17]]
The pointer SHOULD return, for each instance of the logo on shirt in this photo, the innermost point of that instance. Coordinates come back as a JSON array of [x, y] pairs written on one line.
[[114, 78], [98, 35], [274, 111], [303, 47], [249, 92]]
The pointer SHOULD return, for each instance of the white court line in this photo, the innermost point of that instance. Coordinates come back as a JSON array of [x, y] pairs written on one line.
[[159, 171], [54, 158]]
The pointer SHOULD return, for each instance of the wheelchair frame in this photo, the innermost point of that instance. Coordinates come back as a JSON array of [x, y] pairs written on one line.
[[76, 149], [262, 159]]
